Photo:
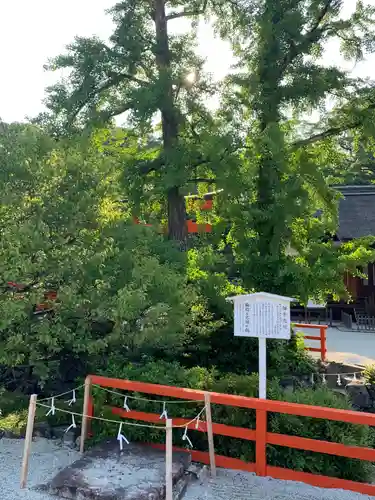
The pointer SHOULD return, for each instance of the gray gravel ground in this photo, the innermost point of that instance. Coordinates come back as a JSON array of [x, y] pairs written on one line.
[[48, 457], [234, 485]]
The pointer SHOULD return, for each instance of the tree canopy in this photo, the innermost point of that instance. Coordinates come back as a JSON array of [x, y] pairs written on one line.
[[74, 178]]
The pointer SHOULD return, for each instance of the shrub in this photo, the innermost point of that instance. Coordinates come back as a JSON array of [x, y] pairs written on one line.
[[369, 374], [120, 287], [200, 378]]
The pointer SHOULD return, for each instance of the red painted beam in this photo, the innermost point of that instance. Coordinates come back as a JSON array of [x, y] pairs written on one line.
[[220, 429]]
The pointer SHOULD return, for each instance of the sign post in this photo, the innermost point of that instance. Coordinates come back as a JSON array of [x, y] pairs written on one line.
[[264, 316], [262, 368]]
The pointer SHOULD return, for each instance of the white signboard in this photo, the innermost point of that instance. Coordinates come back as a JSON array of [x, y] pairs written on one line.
[[262, 315], [263, 319], [265, 316]]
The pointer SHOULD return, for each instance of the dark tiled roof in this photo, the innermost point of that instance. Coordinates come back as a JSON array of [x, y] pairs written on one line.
[[356, 212]]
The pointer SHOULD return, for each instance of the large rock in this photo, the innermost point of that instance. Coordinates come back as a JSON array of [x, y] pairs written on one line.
[[359, 395], [105, 473]]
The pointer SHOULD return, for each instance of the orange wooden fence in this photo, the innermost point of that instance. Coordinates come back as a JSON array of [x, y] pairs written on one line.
[[260, 434], [322, 338]]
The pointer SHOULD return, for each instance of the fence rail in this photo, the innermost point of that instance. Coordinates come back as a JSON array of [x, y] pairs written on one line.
[[322, 338], [364, 321], [260, 434]]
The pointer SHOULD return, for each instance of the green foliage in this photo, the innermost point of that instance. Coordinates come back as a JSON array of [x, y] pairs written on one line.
[[246, 385], [279, 243], [142, 73], [275, 169], [325, 430], [369, 374], [69, 189], [120, 287]]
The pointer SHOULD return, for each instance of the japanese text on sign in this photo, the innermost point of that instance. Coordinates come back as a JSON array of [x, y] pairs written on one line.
[[265, 319]]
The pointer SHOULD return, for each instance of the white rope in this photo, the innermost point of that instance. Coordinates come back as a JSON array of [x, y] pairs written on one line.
[[56, 396], [339, 377], [159, 401], [112, 421], [195, 419], [342, 374]]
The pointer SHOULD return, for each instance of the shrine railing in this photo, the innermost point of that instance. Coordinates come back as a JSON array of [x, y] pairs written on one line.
[[260, 434], [322, 338]]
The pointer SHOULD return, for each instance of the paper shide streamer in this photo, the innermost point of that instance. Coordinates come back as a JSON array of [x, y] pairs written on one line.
[[125, 406], [52, 410], [72, 425], [185, 437], [73, 400], [164, 414], [121, 438]]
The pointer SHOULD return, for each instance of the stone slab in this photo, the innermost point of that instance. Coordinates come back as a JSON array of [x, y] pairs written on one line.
[[106, 473]]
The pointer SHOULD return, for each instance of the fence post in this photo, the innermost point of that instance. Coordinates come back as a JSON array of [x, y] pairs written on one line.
[[86, 409], [323, 343], [168, 460], [90, 413], [261, 443], [28, 439], [210, 434]]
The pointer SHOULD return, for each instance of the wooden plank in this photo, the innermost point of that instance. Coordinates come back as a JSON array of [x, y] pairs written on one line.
[[313, 349], [28, 440], [221, 429], [85, 413], [311, 337], [261, 443], [318, 446], [156, 389], [249, 434], [323, 344], [310, 326], [321, 481], [210, 434], [168, 460]]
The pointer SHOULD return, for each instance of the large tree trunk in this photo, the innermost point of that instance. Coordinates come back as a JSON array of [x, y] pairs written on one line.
[[269, 220], [177, 228]]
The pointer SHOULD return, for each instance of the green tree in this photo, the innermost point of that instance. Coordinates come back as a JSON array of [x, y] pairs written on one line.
[[121, 289], [279, 45], [149, 74]]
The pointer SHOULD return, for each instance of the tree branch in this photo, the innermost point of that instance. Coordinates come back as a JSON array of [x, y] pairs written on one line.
[[188, 13], [108, 114], [332, 131], [114, 80], [309, 37]]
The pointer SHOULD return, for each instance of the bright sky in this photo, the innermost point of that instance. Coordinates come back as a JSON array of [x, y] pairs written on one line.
[[33, 31]]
